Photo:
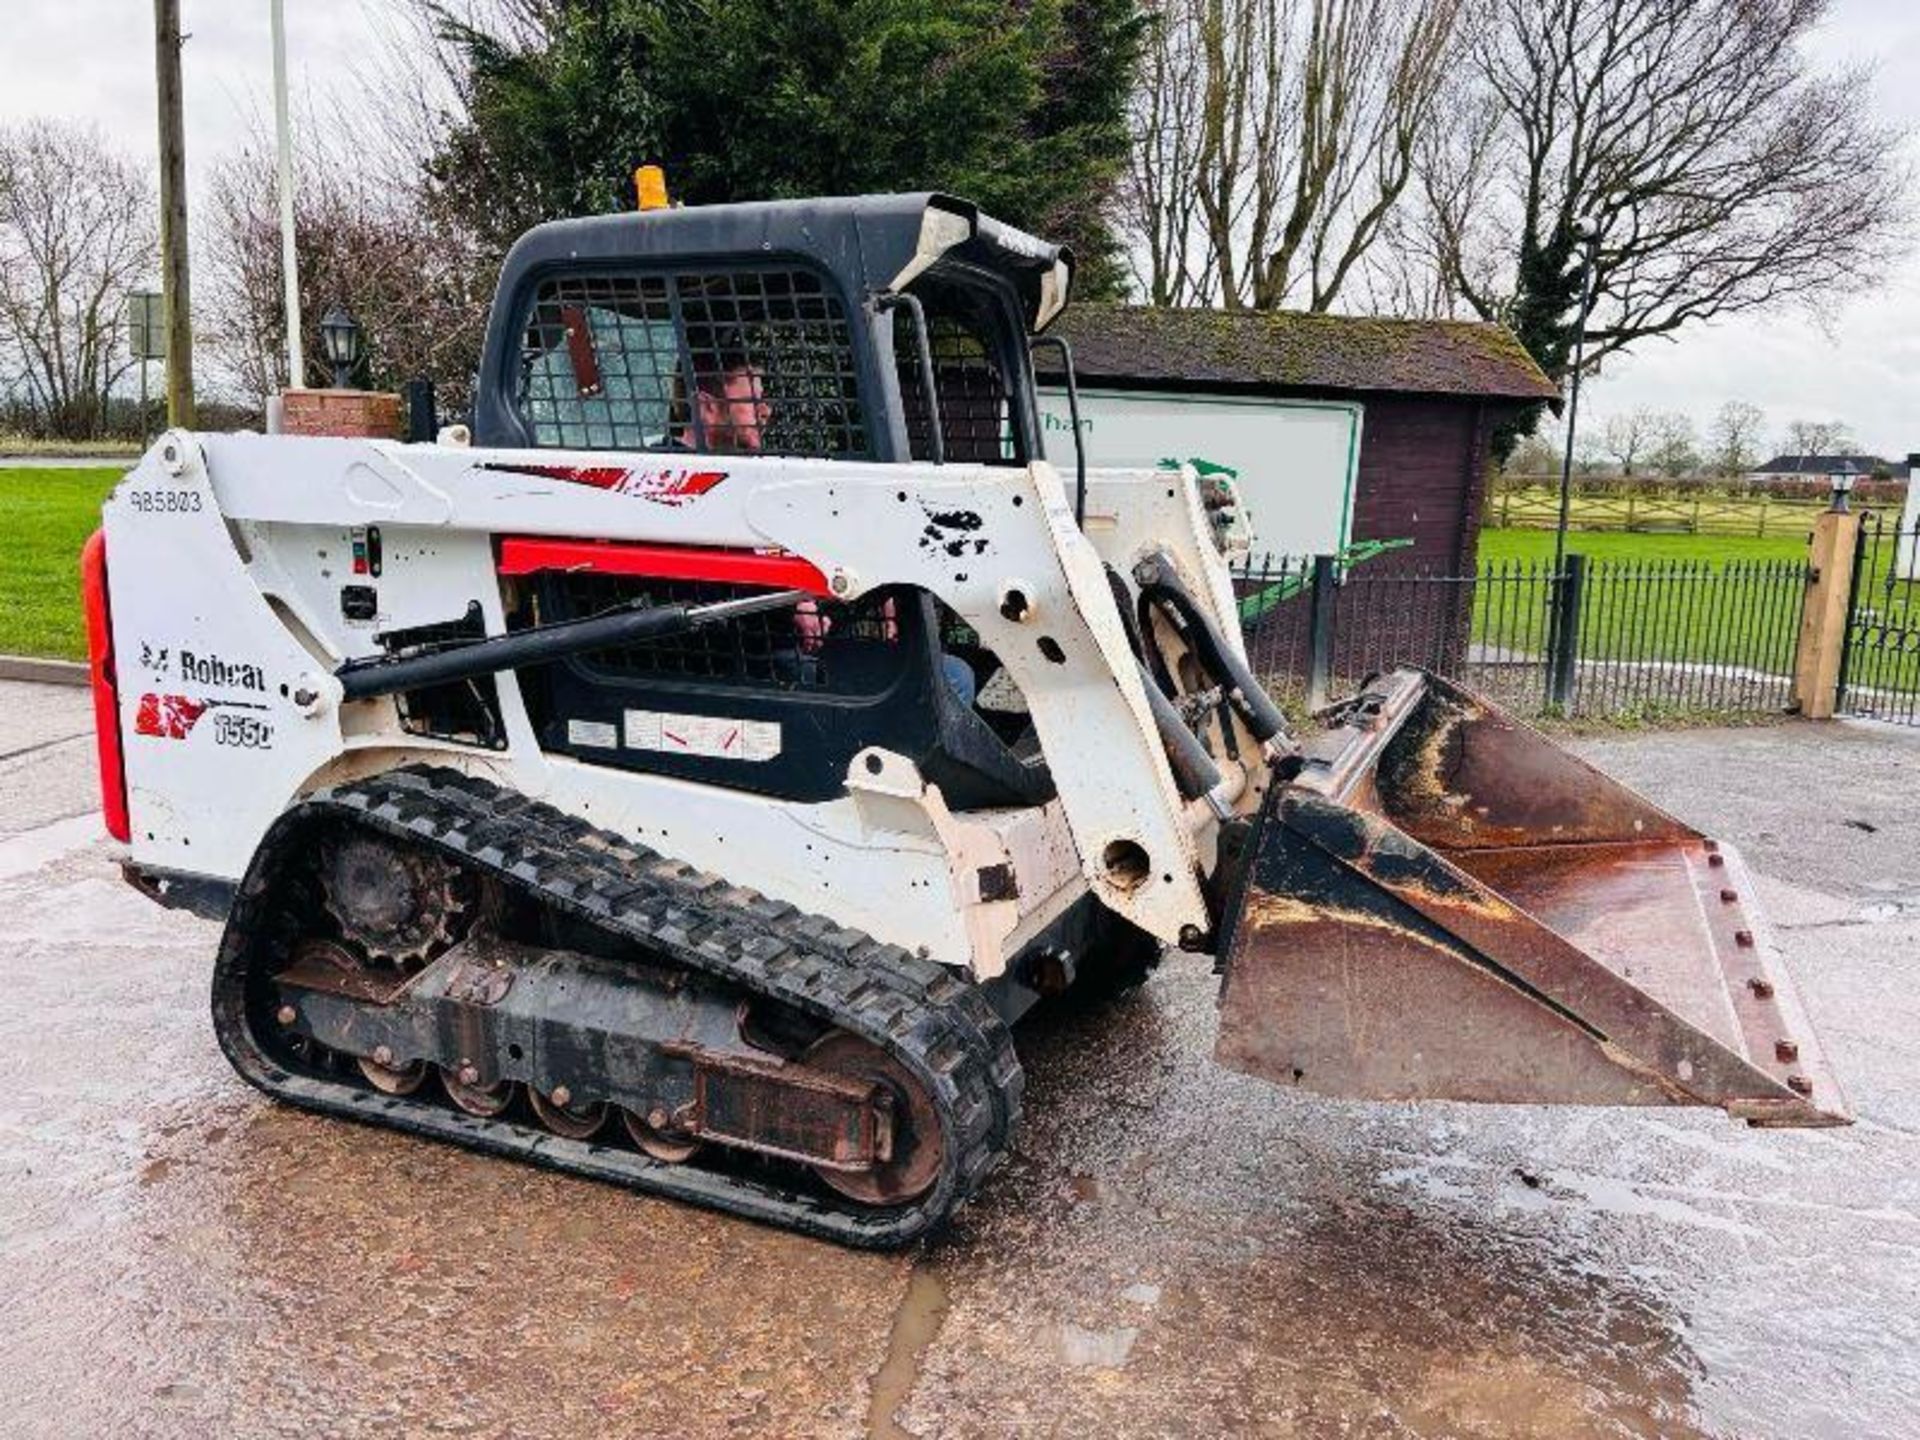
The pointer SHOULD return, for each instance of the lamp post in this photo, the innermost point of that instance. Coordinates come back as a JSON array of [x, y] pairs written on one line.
[[1560, 625], [1841, 481], [341, 339], [1586, 230]]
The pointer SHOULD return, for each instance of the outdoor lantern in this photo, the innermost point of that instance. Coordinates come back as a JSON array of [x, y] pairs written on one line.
[[1844, 477], [340, 337]]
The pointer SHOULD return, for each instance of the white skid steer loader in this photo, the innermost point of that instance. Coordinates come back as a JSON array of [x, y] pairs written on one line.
[[689, 781]]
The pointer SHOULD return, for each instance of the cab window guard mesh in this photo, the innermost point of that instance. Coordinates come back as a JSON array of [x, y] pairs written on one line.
[[813, 646], [976, 418], [749, 360]]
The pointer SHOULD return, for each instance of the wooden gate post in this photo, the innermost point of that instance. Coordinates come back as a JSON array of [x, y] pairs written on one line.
[[1823, 616]]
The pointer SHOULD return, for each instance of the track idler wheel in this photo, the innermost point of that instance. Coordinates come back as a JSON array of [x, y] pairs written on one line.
[[655, 1135], [563, 1118], [915, 1162], [463, 1087]]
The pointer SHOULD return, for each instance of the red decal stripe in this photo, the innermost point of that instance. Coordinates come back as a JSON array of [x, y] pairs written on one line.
[[168, 717], [676, 487], [599, 477], [106, 688], [528, 554], [663, 485]]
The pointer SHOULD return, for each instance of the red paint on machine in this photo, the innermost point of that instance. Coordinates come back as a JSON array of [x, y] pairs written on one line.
[[528, 555], [596, 477], [106, 688]]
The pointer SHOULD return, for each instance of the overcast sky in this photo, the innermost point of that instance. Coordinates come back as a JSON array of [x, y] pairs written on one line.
[[94, 59]]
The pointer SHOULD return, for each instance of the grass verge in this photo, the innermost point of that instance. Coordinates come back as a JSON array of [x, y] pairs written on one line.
[[80, 449], [47, 516], [1684, 599], [1502, 546]]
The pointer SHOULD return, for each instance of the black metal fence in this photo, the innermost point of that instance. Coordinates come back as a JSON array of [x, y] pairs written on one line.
[[1880, 664], [1599, 638]]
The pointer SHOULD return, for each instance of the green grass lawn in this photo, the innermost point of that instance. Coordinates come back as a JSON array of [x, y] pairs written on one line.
[[1524, 545], [1695, 598], [46, 516], [1699, 598]]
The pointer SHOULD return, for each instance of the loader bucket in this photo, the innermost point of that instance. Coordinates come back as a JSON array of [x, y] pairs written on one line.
[[1444, 905]]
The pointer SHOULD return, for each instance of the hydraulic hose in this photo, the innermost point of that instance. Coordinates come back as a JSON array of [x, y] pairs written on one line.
[[1159, 586], [1194, 772], [389, 675]]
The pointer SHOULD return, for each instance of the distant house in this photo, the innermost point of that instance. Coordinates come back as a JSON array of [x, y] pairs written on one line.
[[1818, 467], [1411, 462]]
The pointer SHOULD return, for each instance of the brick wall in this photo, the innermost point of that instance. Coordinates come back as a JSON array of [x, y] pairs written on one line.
[[372, 414]]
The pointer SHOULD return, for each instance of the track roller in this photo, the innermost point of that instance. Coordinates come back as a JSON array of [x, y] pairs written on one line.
[[465, 1090], [391, 1079], [655, 1135], [560, 1115]]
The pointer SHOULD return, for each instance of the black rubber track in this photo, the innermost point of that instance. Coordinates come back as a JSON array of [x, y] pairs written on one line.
[[936, 1024]]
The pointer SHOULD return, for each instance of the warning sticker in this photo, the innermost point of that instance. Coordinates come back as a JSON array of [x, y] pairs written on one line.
[[593, 732], [716, 736]]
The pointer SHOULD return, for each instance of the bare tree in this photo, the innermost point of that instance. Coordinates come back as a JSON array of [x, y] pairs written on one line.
[[1160, 196], [1724, 174], [1590, 451], [76, 234], [1538, 454], [367, 239], [1628, 435], [1820, 437], [1674, 450], [1735, 437], [1273, 141]]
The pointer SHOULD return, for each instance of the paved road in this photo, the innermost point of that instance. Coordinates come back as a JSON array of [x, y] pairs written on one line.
[[1173, 1248]]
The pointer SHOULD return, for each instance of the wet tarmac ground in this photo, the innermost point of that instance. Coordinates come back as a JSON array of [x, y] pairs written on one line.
[[1173, 1249]]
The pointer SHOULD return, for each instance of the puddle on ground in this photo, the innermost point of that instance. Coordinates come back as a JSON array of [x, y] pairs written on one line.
[[923, 1309]]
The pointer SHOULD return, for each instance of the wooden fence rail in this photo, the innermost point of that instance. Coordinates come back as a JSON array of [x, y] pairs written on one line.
[[1533, 508]]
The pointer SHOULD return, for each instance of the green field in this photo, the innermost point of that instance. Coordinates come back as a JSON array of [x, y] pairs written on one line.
[[1524, 545], [47, 515], [1697, 598]]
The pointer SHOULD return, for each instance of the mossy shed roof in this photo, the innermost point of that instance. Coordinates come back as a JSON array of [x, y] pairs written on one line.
[[1288, 350]]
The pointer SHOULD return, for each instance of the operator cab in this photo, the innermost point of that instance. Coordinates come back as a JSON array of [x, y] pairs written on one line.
[[888, 328], [605, 331]]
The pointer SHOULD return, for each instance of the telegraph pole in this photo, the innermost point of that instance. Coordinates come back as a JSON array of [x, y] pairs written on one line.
[[173, 214]]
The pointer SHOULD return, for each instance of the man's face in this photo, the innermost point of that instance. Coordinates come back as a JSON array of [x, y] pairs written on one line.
[[734, 419]]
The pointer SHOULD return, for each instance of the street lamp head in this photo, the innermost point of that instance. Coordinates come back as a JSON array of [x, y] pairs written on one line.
[[1586, 229], [1841, 480], [341, 339]]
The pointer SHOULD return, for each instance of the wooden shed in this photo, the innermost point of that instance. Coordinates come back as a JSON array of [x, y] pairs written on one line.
[[1432, 392]]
